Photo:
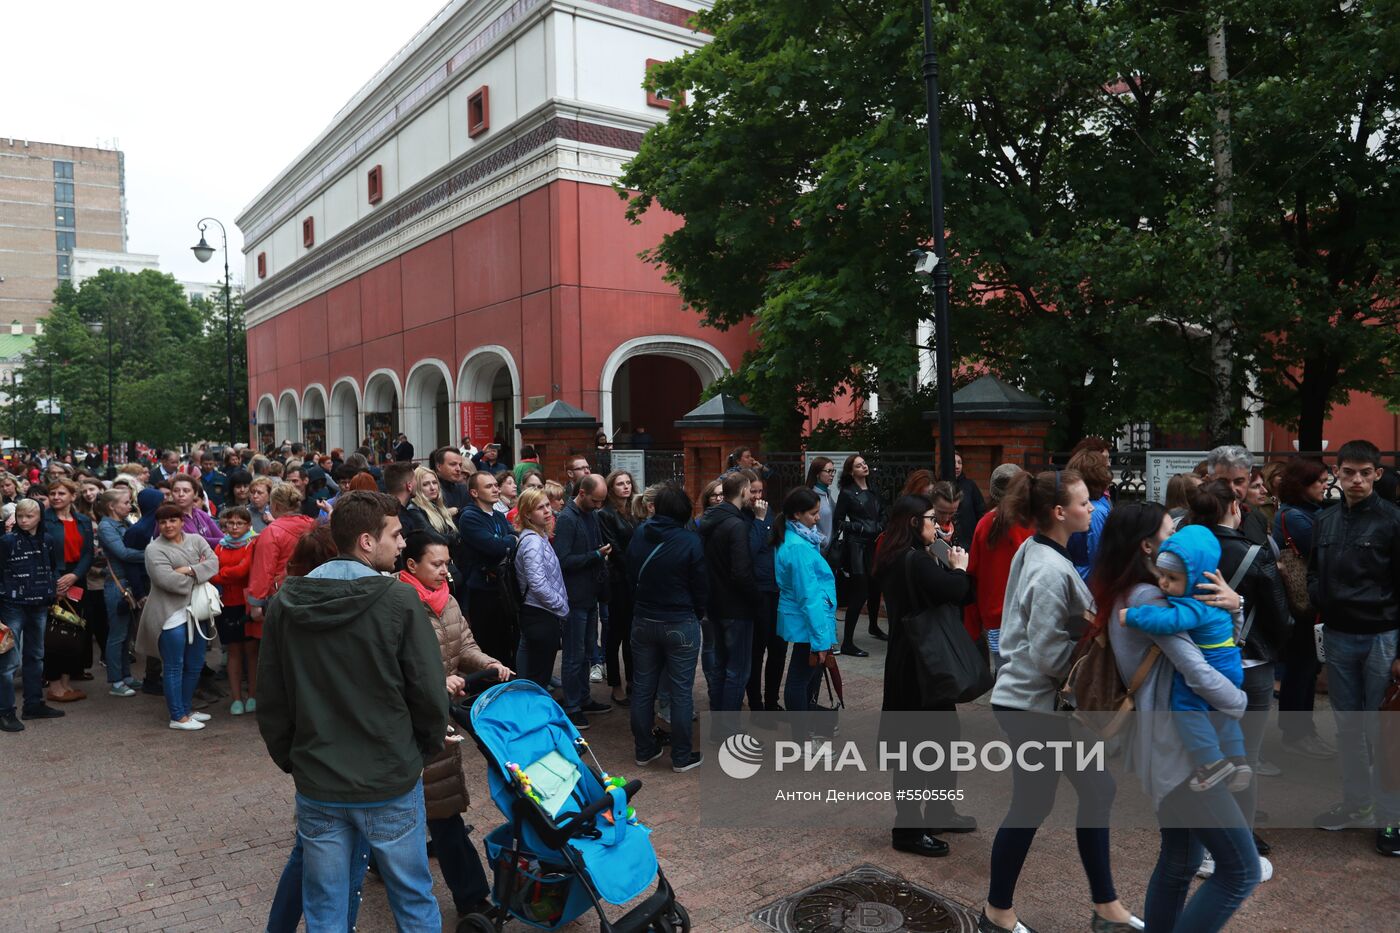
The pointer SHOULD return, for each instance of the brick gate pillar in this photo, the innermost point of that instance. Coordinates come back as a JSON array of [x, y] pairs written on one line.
[[996, 423], [709, 433], [556, 431]]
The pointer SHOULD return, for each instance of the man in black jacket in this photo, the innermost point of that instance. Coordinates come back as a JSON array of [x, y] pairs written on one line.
[[734, 597], [486, 540], [1234, 465], [971, 505], [578, 542], [352, 701], [1354, 581]]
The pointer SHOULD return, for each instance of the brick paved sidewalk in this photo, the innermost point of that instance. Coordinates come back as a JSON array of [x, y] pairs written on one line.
[[113, 822]]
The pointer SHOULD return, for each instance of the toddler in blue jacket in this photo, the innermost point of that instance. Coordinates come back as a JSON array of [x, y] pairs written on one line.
[[1213, 739]]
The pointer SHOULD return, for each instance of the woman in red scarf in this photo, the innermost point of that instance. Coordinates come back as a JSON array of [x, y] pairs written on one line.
[[426, 558]]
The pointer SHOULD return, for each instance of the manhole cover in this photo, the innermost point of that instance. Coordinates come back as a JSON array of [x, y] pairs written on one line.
[[866, 900]]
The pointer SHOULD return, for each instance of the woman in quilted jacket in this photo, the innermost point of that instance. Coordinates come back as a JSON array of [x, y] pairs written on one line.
[[425, 559]]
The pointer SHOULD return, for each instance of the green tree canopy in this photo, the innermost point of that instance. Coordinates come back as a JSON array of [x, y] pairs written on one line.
[[167, 357], [1082, 203]]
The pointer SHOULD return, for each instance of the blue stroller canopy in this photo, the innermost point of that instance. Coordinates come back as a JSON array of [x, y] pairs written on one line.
[[519, 723]]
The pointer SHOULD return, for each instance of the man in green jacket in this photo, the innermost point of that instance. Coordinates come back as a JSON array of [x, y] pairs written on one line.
[[351, 701]]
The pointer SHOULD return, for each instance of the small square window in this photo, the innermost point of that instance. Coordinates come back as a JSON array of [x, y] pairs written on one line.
[[65, 240], [376, 184], [64, 216], [479, 112], [63, 170], [63, 192], [308, 232], [655, 98], [262, 265]]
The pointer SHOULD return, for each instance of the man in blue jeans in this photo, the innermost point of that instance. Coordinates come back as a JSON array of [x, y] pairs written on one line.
[[666, 568], [734, 599], [578, 542], [1352, 582], [351, 700]]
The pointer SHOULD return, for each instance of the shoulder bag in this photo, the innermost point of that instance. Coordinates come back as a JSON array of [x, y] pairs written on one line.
[[204, 606], [950, 666], [1293, 568], [1242, 635], [1094, 690], [65, 635]]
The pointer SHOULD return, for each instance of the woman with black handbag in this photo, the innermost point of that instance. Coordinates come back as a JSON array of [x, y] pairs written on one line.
[[915, 582], [69, 533], [859, 519], [1044, 617]]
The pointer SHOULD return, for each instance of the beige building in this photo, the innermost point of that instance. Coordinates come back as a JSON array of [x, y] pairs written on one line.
[[53, 199]]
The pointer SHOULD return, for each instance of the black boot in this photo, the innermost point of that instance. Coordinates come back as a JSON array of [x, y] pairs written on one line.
[[9, 723], [878, 633]]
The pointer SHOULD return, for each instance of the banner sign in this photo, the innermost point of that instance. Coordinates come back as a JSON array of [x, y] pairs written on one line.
[[477, 423], [634, 462], [1162, 465]]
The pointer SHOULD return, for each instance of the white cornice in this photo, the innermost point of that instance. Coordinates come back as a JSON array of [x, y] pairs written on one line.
[[457, 24]]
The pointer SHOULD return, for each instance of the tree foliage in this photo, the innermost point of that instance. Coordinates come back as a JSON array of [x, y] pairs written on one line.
[[1081, 211], [167, 360]]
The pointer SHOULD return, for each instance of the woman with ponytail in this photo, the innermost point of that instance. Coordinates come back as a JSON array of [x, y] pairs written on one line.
[[1043, 619]]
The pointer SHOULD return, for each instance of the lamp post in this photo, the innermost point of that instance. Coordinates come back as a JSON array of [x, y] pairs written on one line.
[[943, 349], [106, 325], [203, 251]]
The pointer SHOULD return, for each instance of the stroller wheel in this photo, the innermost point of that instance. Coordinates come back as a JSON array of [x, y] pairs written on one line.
[[676, 920], [475, 923], [682, 919]]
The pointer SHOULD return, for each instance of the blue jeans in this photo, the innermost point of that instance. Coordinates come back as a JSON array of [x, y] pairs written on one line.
[[182, 663], [397, 833], [708, 666], [733, 644], [285, 914], [28, 624], [1209, 735], [1227, 837], [1358, 670], [598, 636], [802, 679], [670, 648], [118, 629], [539, 643], [573, 669]]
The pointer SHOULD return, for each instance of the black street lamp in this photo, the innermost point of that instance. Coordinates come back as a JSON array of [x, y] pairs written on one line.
[[943, 348], [203, 251]]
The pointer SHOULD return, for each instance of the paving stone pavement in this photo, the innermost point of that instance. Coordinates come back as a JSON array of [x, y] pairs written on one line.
[[112, 822]]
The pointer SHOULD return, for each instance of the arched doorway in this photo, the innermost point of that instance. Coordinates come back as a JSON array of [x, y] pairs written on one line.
[[382, 412], [489, 377], [428, 407], [267, 423], [288, 419], [649, 382], [343, 425], [313, 418]]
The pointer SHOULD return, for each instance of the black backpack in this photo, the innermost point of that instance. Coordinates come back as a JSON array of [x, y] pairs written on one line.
[[508, 582]]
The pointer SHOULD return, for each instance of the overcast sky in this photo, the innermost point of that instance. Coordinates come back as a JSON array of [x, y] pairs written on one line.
[[209, 101]]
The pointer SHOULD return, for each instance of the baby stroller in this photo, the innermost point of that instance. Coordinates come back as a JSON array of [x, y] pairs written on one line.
[[571, 841]]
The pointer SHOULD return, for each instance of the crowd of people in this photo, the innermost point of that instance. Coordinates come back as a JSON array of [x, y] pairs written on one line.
[[305, 565]]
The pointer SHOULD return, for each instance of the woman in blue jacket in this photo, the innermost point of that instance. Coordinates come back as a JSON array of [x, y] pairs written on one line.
[[806, 595], [69, 533], [113, 506]]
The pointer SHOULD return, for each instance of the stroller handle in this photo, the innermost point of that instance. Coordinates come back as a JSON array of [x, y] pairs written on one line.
[[590, 812]]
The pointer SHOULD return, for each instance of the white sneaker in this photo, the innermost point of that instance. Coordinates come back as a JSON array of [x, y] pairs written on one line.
[[201, 717], [189, 725], [1207, 867], [595, 674], [1266, 869], [120, 689]]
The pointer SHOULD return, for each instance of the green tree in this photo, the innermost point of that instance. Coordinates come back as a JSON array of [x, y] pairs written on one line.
[[1082, 206], [167, 360]]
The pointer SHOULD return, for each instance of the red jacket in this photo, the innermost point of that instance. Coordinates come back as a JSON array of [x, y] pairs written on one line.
[[235, 565], [275, 545], [990, 566]]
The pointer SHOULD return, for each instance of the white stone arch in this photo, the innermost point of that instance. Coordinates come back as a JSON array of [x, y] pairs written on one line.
[[422, 419], [343, 426], [383, 396], [313, 410], [288, 417], [476, 379], [267, 409], [709, 364]]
